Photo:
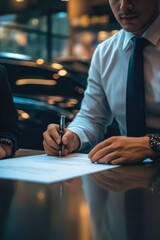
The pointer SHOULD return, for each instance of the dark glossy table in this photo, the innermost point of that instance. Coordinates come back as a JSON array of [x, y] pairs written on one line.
[[118, 204]]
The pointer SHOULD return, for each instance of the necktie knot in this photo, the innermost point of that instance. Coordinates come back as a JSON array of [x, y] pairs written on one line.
[[139, 43]]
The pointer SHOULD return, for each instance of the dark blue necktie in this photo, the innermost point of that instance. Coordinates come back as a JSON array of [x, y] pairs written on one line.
[[135, 98]]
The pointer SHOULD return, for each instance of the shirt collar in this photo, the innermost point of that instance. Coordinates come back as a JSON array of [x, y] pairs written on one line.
[[152, 34], [127, 43]]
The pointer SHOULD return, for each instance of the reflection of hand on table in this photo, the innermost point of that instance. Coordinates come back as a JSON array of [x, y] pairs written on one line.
[[126, 177]]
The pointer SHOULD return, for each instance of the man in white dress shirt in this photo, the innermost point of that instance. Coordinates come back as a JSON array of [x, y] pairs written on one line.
[[105, 96]]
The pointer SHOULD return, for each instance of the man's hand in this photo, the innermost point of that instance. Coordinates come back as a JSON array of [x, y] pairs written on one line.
[[70, 141], [126, 177], [5, 151], [122, 150]]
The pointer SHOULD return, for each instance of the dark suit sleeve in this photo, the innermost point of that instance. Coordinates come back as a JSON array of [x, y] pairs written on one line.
[[8, 114]]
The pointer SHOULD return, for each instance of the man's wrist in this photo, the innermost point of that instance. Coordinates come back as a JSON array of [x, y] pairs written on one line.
[[154, 143], [77, 142]]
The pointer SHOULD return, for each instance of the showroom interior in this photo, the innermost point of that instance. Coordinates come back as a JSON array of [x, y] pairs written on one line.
[[62, 28], [47, 47]]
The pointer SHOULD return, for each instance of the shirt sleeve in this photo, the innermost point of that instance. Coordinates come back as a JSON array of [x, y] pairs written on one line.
[[8, 115], [95, 116]]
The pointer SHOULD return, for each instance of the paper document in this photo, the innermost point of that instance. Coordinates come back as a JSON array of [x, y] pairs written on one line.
[[48, 169]]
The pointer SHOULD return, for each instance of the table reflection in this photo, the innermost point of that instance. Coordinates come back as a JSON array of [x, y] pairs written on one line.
[[37, 211], [118, 204], [124, 203], [7, 189]]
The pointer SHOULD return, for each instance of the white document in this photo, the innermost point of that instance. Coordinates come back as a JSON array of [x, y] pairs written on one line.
[[48, 169]]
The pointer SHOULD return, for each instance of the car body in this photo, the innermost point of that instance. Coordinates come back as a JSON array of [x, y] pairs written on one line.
[[42, 92]]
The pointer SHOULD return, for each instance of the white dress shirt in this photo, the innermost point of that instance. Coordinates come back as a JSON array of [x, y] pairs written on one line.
[[105, 96]]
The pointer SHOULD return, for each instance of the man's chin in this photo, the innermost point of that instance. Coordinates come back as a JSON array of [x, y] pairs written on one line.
[[130, 28]]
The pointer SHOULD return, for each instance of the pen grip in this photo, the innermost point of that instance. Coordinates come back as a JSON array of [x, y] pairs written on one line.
[[61, 134], [60, 145]]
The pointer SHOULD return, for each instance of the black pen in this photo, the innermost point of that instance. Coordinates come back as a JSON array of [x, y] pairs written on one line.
[[61, 132]]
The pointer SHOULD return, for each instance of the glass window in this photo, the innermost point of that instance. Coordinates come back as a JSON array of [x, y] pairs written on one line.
[[34, 36]]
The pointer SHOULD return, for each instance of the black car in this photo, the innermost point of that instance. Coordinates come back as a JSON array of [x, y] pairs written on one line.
[[43, 92]]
